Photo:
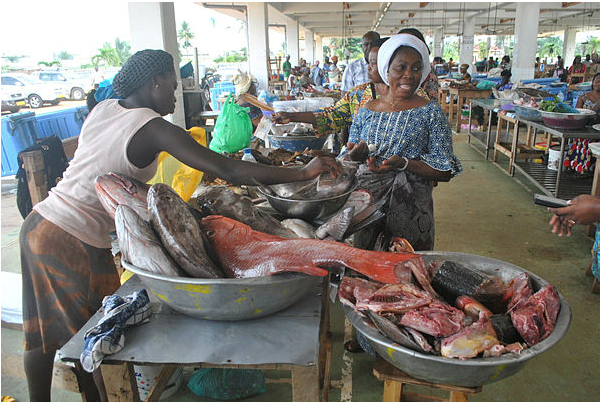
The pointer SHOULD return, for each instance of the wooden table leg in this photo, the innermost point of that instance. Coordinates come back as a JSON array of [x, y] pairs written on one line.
[[392, 391], [458, 397], [488, 135], [497, 140], [120, 382], [161, 382], [515, 148], [561, 159], [450, 109], [459, 111], [305, 383]]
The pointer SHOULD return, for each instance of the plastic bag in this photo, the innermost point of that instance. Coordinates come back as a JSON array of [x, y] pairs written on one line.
[[233, 129], [485, 85], [227, 384], [181, 177]]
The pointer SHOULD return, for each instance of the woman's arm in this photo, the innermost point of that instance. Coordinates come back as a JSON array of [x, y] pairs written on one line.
[[417, 167], [580, 102], [160, 135]]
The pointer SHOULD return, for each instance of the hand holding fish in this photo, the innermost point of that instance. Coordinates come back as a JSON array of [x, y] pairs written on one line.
[[322, 164], [582, 210], [395, 162], [358, 152]]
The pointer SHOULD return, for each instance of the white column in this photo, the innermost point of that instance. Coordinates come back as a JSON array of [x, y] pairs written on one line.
[[468, 38], [526, 29], [438, 43], [292, 36], [309, 44], [258, 42], [153, 26], [568, 53], [319, 49]]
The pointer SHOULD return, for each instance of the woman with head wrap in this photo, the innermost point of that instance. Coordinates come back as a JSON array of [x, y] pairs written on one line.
[[66, 263], [246, 84], [406, 143]]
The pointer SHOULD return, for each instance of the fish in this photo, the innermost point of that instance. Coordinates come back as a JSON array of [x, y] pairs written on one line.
[[359, 199], [321, 187], [472, 307], [518, 291], [116, 189], [140, 246], [221, 201], [469, 342], [396, 298], [245, 253], [436, 319], [337, 225], [179, 232], [301, 228], [505, 330], [400, 335]]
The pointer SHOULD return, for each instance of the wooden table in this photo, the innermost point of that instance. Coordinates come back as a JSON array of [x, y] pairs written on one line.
[[442, 95], [281, 341], [491, 105], [516, 150], [463, 96]]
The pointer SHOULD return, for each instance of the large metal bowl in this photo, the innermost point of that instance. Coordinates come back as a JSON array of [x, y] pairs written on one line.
[[309, 210], [569, 121], [471, 372], [227, 299]]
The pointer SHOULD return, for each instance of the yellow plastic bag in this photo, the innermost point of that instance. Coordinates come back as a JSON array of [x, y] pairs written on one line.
[[181, 177]]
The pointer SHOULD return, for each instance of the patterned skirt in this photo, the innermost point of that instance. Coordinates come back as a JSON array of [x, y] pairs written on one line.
[[579, 157], [64, 282]]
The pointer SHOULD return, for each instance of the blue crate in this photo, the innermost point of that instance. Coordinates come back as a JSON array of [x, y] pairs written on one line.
[[224, 84], [217, 92], [64, 123], [19, 131]]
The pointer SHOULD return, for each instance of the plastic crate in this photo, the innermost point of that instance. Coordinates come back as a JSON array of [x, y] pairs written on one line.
[[64, 123], [19, 131], [217, 92]]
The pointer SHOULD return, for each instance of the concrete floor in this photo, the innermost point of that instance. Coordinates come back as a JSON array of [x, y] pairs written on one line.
[[483, 211]]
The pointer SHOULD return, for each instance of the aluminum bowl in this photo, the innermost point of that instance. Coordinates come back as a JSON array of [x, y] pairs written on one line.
[[471, 372], [568, 121], [228, 299], [308, 210], [528, 112]]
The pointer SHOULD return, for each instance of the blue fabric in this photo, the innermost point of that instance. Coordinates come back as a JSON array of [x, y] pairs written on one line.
[[596, 254], [107, 337], [316, 73], [355, 74], [422, 133], [105, 92]]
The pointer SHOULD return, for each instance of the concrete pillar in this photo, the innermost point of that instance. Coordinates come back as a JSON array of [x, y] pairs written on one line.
[[319, 49], [438, 43], [468, 38], [309, 46], [568, 53], [292, 36], [526, 29], [153, 26], [258, 42]]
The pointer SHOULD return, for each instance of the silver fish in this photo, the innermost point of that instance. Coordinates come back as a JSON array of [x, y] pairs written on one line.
[[301, 228], [337, 225], [324, 186], [140, 246], [179, 232]]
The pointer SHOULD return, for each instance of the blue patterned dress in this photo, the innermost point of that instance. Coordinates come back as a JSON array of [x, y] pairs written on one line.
[[421, 133]]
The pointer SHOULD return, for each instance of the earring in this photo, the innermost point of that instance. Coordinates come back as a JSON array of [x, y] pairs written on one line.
[[156, 86]]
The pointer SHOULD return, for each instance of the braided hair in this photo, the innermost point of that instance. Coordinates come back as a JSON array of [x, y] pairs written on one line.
[[140, 68]]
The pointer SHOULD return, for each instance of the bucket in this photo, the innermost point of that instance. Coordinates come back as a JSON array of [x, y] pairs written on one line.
[[554, 158], [146, 377]]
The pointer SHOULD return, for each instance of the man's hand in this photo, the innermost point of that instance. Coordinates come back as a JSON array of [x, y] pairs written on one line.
[[358, 152], [322, 164]]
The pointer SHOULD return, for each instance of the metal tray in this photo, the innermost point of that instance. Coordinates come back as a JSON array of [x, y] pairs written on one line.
[[228, 299], [471, 372]]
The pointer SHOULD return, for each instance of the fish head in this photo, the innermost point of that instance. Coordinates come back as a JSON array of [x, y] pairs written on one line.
[[119, 187], [216, 227]]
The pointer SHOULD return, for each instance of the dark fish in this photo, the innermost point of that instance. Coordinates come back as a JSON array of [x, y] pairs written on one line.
[[337, 225], [221, 201], [395, 333], [505, 330], [116, 189], [140, 246], [179, 232]]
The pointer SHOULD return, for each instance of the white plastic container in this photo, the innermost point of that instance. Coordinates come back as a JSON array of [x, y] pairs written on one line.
[[146, 377], [554, 158]]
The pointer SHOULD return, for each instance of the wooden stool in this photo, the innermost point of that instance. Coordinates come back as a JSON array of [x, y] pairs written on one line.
[[395, 379]]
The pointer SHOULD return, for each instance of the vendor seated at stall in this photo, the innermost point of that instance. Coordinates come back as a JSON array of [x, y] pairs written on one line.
[[466, 77], [246, 84], [505, 81]]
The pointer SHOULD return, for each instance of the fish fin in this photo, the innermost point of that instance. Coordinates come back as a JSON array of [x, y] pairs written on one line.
[[309, 269]]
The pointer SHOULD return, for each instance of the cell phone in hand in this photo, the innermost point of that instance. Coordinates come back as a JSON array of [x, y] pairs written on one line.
[[547, 201]]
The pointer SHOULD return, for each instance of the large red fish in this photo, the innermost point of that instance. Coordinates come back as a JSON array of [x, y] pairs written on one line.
[[116, 189], [245, 253]]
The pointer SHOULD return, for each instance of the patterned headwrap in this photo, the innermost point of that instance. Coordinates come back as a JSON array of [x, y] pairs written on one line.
[[386, 51], [141, 67]]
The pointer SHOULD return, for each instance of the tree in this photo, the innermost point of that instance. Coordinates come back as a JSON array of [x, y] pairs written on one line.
[[592, 46], [106, 55], [185, 34], [451, 51], [12, 59], [483, 50], [49, 63], [551, 46], [123, 49], [63, 55]]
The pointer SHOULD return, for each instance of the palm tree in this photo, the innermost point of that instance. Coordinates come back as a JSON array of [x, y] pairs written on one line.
[[592, 46], [550, 49], [49, 63], [106, 54], [185, 34], [123, 49], [64, 55]]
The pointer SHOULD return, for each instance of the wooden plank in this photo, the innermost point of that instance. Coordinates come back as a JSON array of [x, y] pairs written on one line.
[[33, 163], [70, 145], [392, 391], [120, 382], [161, 382], [458, 397], [305, 384], [253, 100]]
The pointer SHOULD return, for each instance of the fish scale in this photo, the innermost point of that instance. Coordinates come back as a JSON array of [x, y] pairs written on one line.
[[243, 253]]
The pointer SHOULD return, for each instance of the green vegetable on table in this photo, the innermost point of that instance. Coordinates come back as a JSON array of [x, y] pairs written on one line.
[[556, 106]]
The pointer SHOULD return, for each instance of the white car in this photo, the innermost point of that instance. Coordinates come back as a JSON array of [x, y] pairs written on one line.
[[12, 100], [37, 92], [75, 86]]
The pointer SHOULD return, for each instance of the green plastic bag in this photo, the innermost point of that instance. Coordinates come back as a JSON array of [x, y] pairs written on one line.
[[233, 129], [485, 85], [227, 384]]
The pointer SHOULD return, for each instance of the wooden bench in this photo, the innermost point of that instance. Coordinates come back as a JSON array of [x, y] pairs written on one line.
[[394, 381]]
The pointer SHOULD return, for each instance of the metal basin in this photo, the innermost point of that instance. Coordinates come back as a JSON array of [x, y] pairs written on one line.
[[309, 210], [472, 372], [227, 299], [567, 120]]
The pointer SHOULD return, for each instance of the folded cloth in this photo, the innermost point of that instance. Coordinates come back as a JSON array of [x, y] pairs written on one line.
[[107, 337]]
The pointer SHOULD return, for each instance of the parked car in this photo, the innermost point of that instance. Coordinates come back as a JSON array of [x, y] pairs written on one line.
[[75, 86], [12, 100], [37, 92]]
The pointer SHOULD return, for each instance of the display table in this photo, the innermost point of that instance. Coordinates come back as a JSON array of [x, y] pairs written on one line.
[[463, 96], [295, 339], [491, 106], [442, 95], [515, 149]]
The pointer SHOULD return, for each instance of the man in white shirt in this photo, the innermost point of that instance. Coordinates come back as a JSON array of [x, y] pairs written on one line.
[[356, 72]]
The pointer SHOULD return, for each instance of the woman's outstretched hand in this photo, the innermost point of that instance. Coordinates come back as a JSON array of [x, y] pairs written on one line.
[[389, 164], [582, 210], [358, 152], [322, 164]]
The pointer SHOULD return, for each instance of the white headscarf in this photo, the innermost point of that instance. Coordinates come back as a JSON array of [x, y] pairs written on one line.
[[389, 47], [242, 82]]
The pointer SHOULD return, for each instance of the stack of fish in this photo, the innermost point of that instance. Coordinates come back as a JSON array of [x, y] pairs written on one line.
[[464, 314]]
